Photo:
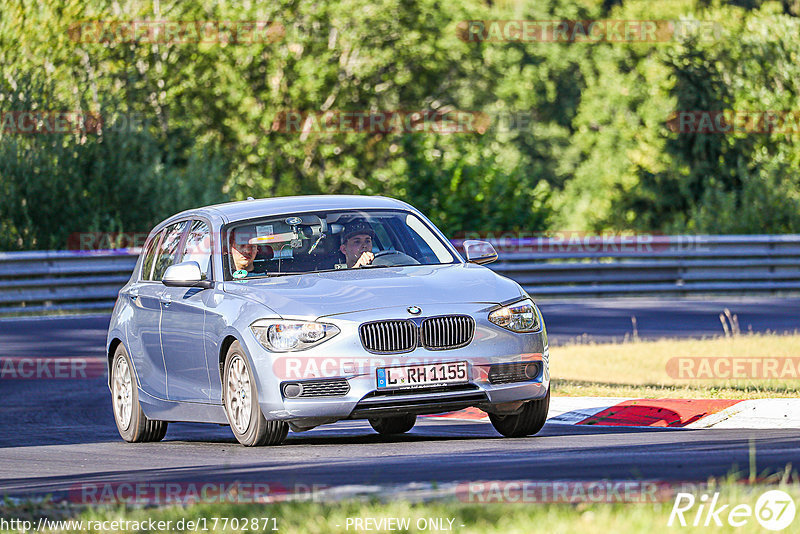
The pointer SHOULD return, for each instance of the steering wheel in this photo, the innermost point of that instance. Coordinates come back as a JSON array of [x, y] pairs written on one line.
[[393, 257], [385, 253]]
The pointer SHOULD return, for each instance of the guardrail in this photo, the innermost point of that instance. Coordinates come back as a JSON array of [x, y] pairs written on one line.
[[652, 265], [42, 281], [577, 266]]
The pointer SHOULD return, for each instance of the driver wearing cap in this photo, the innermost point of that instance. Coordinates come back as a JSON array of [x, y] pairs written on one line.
[[357, 244]]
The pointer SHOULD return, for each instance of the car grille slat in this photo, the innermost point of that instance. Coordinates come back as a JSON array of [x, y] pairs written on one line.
[[451, 322], [447, 332], [402, 335], [387, 337]]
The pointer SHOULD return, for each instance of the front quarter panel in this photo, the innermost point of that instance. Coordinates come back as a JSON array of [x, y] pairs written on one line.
[[229, 316]]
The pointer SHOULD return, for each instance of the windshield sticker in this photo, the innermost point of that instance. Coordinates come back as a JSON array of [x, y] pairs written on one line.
[[263, 230], [273, 238], [241, 273]]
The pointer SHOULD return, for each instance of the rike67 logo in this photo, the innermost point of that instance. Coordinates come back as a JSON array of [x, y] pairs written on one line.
[[774, 510]]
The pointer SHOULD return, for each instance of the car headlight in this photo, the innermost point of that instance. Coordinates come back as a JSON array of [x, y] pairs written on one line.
[[284, 336], [522, 316]]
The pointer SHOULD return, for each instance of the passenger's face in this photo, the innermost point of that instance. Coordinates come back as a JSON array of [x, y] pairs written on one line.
[[243, 256], [355, 246]]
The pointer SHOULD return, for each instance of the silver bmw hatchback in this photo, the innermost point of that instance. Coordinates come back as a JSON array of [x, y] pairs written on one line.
[[293, 312]]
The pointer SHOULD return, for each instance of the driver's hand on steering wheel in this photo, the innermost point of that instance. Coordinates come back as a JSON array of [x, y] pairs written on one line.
[[365, 259]]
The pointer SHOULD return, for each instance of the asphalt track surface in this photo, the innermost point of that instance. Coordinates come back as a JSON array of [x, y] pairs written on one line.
[[56, 435]]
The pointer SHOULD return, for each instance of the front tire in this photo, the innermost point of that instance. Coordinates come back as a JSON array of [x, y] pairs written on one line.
[[132, 424], [240, 398], [526, 423], [399, 424]]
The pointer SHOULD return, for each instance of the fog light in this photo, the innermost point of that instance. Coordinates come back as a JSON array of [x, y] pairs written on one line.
[[532, 370], [292, 390]]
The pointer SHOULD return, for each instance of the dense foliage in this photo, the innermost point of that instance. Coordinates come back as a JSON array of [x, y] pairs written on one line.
[[189, 123]]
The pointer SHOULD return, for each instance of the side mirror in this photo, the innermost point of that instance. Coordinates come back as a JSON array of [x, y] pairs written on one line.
[[186, 274], [480, 252]]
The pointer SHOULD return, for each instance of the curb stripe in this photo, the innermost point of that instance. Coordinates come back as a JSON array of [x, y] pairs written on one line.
[[674, 413], [470, 414]]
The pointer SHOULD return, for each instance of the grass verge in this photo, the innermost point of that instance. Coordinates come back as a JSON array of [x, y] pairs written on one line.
[[451, 514], [640, 368]]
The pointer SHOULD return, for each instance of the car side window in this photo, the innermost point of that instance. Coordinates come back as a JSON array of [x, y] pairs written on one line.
[[150, 256], [198, 247], [168, 250]]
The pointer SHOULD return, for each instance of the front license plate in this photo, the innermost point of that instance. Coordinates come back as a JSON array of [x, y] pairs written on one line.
[[422, 375]]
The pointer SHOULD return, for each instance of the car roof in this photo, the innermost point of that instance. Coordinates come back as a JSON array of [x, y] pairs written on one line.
[[265, 207], [221, 214]]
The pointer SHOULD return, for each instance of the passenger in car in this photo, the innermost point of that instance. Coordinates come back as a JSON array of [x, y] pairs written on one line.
[[243, 255]]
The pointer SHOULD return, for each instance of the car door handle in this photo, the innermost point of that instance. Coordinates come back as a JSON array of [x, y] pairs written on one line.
[[166, 300], [133, 294]]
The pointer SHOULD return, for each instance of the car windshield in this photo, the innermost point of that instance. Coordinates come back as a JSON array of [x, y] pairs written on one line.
[[326, 241]]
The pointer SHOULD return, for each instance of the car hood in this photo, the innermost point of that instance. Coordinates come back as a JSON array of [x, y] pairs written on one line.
[[331, 293]]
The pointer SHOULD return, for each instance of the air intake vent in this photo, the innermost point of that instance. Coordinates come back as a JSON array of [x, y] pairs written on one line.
[[447, 332], [505, 373], [336, 387], [387, 337]]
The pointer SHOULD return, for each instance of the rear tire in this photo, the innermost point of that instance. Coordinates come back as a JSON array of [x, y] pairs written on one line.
[[132, 424], [399, 424], [526, 423], [240, 399]]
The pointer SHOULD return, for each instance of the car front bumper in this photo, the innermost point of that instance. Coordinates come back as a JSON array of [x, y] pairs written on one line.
[[343, 358]]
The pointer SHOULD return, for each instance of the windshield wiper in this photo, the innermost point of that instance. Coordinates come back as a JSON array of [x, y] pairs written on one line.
[[269, 275], [370, 266]]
